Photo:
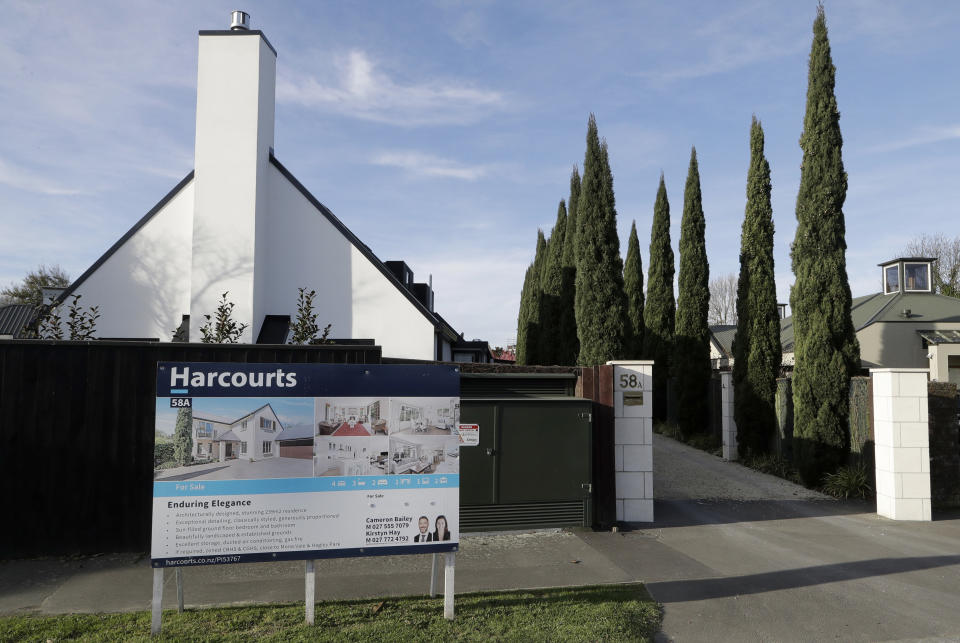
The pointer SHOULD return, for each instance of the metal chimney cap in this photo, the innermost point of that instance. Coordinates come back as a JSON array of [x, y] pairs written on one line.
[[239, 21]]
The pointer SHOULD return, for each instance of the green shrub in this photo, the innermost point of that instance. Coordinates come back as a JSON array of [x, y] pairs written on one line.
[[851, 481], [162, 452], [774, 465], [706, 442]]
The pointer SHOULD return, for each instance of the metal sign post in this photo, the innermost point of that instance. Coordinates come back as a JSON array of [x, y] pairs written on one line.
[[310, 586]]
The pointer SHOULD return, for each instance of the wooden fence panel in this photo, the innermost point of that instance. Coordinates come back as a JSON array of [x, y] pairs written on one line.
[[76, 436]]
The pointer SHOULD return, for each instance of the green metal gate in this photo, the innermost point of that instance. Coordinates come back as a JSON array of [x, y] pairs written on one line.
[[533, 466]]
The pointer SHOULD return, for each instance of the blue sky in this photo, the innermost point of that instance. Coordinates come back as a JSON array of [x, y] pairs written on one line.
[[443, 133]]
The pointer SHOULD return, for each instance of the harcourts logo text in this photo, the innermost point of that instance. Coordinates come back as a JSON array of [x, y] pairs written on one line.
[[226, 379]]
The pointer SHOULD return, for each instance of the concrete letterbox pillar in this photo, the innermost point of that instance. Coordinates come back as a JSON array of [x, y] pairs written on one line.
[[901, 442], [633, 439], [727, 423]]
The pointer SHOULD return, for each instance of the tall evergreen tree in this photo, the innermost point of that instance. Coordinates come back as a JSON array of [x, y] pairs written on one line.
[[528, 321], [183, 437], [568, 346], [659, 313], [633, 288], [692, 341], [599, 302], [825, 345], [756, 348], [552, 283]]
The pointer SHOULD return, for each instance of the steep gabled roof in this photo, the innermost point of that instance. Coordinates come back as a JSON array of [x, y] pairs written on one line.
[[352, 238], [322, 209], [132, 231], [222, 420], [721, 336]]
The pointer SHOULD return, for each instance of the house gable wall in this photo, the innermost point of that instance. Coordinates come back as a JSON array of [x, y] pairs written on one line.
[[142, 286], [304, 248], [897, 344]]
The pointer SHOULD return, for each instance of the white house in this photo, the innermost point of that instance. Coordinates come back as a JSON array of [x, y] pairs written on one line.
[[241, 223], [250, 437]]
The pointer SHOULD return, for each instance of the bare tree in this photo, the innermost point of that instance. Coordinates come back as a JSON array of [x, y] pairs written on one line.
[[946, 270], [723, 300]]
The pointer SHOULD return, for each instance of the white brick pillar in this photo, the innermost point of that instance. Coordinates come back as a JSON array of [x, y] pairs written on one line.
[[728, 424], [633, 439], [901, 442]]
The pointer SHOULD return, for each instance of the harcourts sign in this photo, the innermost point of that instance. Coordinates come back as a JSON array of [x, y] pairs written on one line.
[[303, 461]]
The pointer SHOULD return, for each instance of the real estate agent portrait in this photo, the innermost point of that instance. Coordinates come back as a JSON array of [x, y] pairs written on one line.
[[424, 536], [441, 532]]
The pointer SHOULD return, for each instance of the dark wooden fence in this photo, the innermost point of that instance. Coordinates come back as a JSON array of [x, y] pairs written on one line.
[[76, 436]]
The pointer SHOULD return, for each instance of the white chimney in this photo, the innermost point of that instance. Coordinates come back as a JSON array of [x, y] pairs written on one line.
[[236, 85]]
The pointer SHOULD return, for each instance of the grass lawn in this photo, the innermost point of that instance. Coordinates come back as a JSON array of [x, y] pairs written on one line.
[[599, 613]]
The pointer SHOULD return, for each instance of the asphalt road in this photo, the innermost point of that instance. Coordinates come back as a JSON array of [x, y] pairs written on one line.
[[737, 555]]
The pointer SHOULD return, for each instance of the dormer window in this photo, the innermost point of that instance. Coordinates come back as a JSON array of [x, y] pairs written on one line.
[[916, 276], [891, 279], [907, 275]]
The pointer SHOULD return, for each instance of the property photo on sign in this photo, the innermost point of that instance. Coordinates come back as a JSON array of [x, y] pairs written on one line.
[[304, 461]]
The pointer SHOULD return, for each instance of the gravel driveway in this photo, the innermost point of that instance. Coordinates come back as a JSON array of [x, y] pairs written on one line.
[[681, 472]]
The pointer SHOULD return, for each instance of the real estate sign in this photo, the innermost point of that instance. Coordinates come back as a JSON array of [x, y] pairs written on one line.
[[261, 462]]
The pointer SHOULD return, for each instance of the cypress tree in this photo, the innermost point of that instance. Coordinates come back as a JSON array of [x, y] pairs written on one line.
[[825, 345], [633, 288], [568, 346], [183, 437], [692, 341], [756, 348], [528, 322], [598, 302], [552, 286], [659, 313]]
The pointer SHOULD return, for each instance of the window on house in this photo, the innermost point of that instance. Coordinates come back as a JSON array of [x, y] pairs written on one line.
[[243, 448], [916, 276], [891, 279], [267, 447], [204, 430], [267, 425]]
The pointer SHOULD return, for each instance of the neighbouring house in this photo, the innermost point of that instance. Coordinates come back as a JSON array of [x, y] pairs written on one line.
[[251, 437], [905, 325], [241, 223], [506, 355], [17, 319]]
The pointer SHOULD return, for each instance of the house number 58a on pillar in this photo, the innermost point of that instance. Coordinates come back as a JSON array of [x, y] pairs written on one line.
[[630, 381]]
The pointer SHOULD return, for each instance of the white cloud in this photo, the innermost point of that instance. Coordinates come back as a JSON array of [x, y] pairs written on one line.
[[427, 165], [925, 136], [362, 91], [21, 179]]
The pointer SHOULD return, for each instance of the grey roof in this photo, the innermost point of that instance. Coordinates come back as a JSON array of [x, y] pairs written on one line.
[[229, 436], [722, 337], [298, 432], [871, 309], [14, 317]]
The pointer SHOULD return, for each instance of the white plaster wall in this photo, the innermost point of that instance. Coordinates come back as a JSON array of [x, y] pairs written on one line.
[[901, 443], [236, 81], [940, 362], [305, 249], [633, 441], [143, 289]]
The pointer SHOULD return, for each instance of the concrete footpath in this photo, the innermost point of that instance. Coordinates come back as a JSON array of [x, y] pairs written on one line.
[[748, 558]]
